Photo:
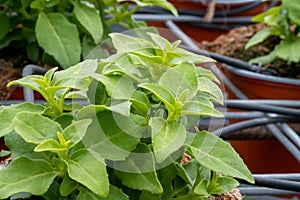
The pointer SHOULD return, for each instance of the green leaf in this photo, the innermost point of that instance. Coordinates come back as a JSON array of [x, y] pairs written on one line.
[[76, 131], [26, 175], [292, 10], [162, 3], [88, 45], [89, 171], [25, 124], [166, 176], [75, 76], [108, 127], [49, 73], [209, 87], [21, 195], [140, 103], [202, 181], [49, 145], [38, 4], [28, 82], [225, 184], [217, 155], [118, 87], [160, 41], [14, 35], [259, 37], [4, 21], [42, 4], [114, 194], [29, 34], [84, 194], [200, 189], [202, 72], [200, 109], [33, 51], [162, 93], [67, 186], [4, 153], [53, 192], [188, 172], [167, 137], [264, 59], [269, 17], [181, 55], [59, 38], [8, 113], [289, 50], [186, 79], [124, 43], [138, 171], [90, 20], [20, 148]]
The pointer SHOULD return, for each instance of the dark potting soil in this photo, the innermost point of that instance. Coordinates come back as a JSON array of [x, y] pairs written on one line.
[[233, 44], [7, 74]]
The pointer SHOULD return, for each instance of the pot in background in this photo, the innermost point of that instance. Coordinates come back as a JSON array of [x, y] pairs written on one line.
[[261, 86]]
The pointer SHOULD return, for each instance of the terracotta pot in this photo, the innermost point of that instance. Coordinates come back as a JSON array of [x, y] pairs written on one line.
[[221, 5], [260, 86], [266, 156], [201, 31], [19, 95]]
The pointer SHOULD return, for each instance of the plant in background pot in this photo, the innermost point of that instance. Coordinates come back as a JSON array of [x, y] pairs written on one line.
[[62, 31], [129, 141], [283, 25], [272, 43], [58, 32]]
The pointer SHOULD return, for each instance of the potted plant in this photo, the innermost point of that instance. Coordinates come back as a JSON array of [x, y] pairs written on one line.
[[60, 33], [206, 20], [127, 143], [274, 48]]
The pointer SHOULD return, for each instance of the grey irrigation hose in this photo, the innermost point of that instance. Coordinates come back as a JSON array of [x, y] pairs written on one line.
[[272, 102], [27, 71], [188, 18], [264, 108], [243, 115], [290, 133], [276, 183], [288, 144], [268, 121], [284, 176], [255, 190], [251, 123], [225, 59]]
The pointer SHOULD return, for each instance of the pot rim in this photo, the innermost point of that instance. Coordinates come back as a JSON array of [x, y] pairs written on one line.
[[234, 2], [264, 77]]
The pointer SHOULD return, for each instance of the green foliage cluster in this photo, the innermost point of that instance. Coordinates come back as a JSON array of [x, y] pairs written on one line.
[[128, 141], [282, 21], [64, 31]]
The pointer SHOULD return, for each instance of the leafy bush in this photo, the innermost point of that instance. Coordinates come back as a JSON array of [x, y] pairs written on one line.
[[128, 142], [282, 21], [65, 30]]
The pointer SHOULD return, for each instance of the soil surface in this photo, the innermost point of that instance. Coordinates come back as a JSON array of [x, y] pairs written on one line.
[[233, 45], [7, 74]]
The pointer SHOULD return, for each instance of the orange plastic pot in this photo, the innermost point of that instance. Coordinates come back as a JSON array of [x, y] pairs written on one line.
[[260, 86]]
